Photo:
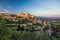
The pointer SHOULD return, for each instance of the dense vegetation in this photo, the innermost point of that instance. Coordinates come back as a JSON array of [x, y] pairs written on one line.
[[7, 33]]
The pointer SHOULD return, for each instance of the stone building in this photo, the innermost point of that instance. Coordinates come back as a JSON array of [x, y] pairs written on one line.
[[25, 15]]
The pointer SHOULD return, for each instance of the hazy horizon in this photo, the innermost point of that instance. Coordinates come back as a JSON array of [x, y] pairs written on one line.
[[47, 8]]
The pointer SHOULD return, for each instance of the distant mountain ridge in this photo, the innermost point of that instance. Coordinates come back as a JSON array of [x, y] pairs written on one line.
[[54, 18]]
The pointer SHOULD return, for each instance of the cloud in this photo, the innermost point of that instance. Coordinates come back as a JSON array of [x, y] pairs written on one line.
[[3, 10]]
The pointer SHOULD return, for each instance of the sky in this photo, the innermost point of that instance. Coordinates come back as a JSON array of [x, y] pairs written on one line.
[[35, 7]]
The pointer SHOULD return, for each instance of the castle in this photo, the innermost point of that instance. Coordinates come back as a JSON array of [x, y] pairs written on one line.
[[25, 15]]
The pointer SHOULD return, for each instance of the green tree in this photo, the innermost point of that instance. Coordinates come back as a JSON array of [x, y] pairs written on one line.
[[4, 31]]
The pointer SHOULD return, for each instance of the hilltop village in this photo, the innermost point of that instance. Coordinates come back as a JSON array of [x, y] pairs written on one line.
[[24, 20], [20, 25]]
